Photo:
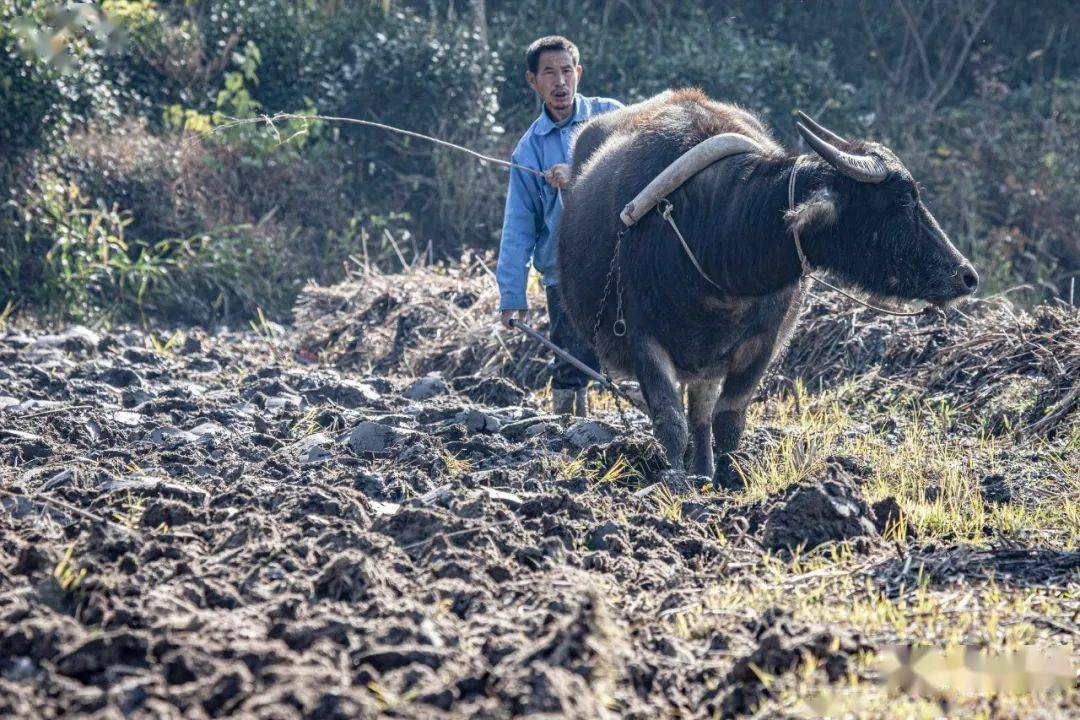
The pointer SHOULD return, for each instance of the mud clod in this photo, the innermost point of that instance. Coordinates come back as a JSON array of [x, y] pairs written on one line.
[[995, 489], [350, 576], [590, 432], [92, 660], [427, 387], [780, 648], [820, 510], [889, 518], [373, 437]]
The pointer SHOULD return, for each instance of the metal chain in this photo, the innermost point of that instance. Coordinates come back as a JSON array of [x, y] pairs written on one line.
[[613, 270], [619, 327], [623, 420]]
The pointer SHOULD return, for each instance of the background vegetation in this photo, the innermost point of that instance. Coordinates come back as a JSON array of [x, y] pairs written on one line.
[[116, 202]]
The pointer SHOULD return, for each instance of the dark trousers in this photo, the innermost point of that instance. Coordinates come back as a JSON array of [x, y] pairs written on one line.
[[565, 376]]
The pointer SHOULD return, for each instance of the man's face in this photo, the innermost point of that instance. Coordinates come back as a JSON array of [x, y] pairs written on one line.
[[556, 81]]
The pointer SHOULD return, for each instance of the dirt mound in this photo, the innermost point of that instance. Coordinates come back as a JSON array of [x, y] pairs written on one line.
[[829, 506], [779, 646], [430, 319], [1013, 370], [819, 511]]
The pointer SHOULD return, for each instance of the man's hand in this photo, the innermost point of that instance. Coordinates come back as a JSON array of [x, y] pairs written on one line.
[[508, 315], [558, 175]]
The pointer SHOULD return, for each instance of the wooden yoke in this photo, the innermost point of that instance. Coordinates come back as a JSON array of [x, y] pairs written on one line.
[[689, 164]]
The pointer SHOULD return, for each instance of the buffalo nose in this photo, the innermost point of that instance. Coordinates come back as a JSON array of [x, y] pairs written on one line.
[[970, 277]]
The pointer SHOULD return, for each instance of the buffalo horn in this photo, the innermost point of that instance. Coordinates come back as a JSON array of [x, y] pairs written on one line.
[[863, 168], [820, 130]]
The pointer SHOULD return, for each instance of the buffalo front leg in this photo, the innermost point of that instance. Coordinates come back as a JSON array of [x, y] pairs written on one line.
[[701, 397], [728, 426], [729, 420], [656, 375]]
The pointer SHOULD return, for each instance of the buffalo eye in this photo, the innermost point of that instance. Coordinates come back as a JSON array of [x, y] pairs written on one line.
[[910, 202], [911, 196]]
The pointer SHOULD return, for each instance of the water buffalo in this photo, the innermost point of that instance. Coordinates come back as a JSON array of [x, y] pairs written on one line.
[[858, 213]]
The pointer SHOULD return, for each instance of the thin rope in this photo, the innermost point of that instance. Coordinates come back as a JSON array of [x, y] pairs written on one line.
[[666, 213], [806, 263], [665, 209], [271, 119]]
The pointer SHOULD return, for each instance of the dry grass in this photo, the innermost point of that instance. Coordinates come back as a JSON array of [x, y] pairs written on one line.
[[948, 581], [596, 473], [930, 465]]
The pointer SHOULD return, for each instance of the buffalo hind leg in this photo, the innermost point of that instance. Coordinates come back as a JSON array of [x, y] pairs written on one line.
[[701, 396], [656, 375], [729, 419]]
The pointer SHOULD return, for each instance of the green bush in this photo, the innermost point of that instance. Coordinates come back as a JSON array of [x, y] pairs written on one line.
[[117, 201], [72, 256], [435, 78], [632, 60], [174, 53], [403, 67], [77, 258]]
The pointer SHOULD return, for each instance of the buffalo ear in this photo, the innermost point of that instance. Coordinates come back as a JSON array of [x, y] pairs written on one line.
[[817, 212]]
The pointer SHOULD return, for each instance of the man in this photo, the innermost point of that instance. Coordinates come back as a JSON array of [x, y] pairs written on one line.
[[534, 204]]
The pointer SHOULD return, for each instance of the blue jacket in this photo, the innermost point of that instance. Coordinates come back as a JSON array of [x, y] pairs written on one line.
[[533, 206]]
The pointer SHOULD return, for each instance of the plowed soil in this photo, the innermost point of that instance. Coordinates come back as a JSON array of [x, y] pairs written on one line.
[[218, 526]]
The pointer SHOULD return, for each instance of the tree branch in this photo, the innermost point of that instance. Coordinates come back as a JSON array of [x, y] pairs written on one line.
[[890, 73], [961, 59], [920, 46]]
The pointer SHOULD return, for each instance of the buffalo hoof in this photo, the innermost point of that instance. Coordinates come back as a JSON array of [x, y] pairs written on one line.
[[679, 482], [728, 476]]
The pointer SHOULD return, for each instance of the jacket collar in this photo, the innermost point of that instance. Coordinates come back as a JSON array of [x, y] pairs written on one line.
[[544, 124]]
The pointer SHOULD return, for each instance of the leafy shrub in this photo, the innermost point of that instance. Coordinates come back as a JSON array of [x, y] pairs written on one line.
[[433, 78], [73, 256], [632, 60], [76, 258]]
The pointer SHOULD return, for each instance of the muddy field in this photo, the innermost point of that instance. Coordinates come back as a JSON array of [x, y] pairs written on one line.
[[309, 525]]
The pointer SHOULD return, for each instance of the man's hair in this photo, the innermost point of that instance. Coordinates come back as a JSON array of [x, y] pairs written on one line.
[[551, 42]]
